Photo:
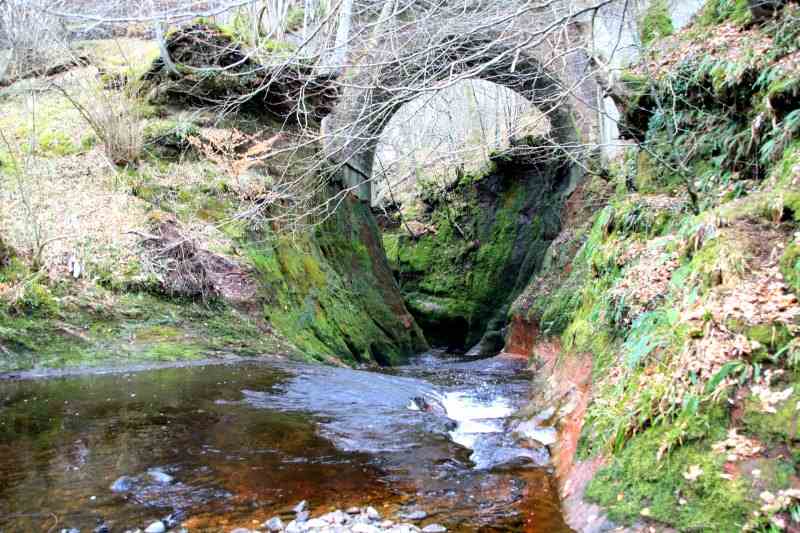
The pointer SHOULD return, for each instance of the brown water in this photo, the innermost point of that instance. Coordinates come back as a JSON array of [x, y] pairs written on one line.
[[246, 442]]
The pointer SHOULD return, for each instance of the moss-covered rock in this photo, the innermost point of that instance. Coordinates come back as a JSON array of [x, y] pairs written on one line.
[[208, 67], [487, 235], [656, 22], [781, 426], [681, 487], [333, 294]]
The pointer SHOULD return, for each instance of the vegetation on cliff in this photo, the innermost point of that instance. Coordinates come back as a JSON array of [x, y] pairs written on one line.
[[683, 287], [480, 240]]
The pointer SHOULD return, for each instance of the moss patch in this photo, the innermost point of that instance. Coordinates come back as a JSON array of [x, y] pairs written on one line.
[[643, 481], [656, 22], [490, 234], [333, 295]]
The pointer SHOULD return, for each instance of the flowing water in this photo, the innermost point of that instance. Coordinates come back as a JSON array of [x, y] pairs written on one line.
[[233, 445]]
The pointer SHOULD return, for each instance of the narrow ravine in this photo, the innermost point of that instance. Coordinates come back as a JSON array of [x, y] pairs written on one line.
[[231, 446]]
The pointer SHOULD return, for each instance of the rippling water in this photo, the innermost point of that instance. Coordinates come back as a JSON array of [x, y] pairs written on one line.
[[243, 443]]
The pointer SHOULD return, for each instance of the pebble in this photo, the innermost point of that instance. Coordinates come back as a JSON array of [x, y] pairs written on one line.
[[294, 527], [336, 517], [364, 528], [123, 484], [159, 476], [354, 520], [243, 530], [71, 530], [156, 527], [273, 524], [300, 507], [416, 515]]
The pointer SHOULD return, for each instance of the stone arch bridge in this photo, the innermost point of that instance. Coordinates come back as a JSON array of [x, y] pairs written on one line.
[[540, 57]]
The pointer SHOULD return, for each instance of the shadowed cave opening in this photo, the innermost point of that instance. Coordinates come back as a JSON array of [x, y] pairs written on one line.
[[467, 189]]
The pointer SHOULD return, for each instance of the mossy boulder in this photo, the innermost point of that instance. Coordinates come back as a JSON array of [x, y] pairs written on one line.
[[781, 426]]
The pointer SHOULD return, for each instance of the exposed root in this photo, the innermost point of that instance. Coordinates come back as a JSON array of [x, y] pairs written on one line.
[[187, 270]]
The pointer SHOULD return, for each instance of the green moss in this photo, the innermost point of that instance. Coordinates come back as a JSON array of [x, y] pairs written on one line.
[[646, 177], [773, 337], [172, 351], [170, 138], [56, 143], [656, 22], [332, 294], [96, 327], [491, 233], [644, 476], [719, 260], [782, 426], [157, 333], [790, 266], [719, 11]]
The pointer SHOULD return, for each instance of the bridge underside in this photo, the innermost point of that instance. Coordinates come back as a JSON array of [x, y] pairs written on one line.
[[552, 79]]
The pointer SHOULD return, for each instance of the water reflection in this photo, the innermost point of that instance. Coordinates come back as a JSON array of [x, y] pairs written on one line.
[[246, 442]]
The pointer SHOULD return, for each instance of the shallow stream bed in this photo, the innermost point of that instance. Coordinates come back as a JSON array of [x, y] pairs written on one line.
[[232, 445]]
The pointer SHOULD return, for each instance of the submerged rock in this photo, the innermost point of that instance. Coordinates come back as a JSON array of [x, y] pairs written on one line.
[[415, 516], [434, 528], [300, 507], [159, 476], [123, 484], [273, 524], [156, 527]]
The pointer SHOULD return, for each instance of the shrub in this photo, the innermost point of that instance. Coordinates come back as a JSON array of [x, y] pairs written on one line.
[[115, 118], [656, 22]]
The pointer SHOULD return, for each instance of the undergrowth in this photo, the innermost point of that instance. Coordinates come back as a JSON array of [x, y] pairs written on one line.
[[684, 286]]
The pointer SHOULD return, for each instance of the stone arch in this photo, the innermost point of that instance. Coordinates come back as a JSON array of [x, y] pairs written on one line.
[[353, 138]]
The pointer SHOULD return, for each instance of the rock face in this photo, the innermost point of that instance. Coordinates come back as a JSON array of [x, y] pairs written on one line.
[[333, 293], [562, 388], [489, 234]]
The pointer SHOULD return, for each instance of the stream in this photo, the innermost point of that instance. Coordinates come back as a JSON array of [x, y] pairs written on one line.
[[232, 445]]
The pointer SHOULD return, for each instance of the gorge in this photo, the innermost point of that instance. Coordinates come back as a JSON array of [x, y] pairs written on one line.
[[590, 326]]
